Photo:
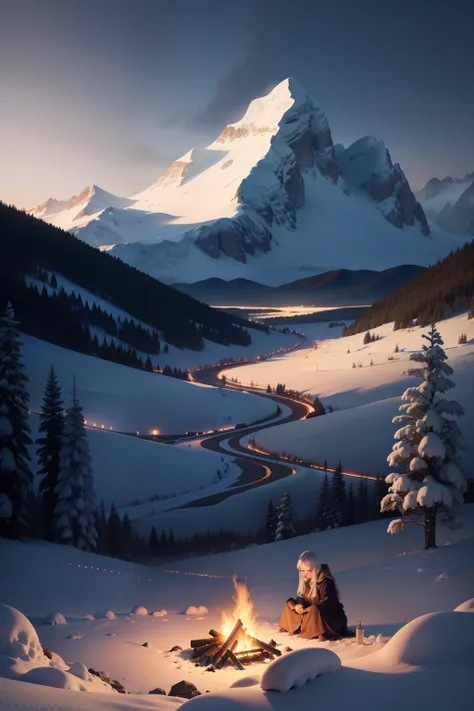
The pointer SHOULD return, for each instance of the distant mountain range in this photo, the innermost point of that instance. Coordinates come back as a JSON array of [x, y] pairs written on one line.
[[335, 288], [449, 203], [271, 200]]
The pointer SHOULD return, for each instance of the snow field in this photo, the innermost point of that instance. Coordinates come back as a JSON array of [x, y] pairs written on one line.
[[130, 400], [385, 581], [146, 476], [364, 399]]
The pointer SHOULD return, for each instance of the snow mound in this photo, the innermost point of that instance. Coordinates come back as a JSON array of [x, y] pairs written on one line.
[[436, 639], [18, 637], [80, 670], [196, 610], [139, 610], [245, 682], [50, 676], [467, 606], [55, 618], [160, 613], [297, 668], [104, 615]]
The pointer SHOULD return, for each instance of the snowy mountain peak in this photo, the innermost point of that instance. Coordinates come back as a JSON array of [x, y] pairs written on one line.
[[272, 181], [449, 203]]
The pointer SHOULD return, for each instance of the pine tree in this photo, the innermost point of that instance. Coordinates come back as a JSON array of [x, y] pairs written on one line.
[[427, 446], [397, 349], [49, 450], [362, 502], [350, 512], [153, 543], [15, 475], [102, 530], [271, 521], [337, 504], [127, 538], [114, 532], [286, 519], [74, 517], [322, 509], [367, 338]]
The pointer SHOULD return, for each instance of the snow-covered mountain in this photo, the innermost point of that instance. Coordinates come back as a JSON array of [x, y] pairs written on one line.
[[271, 199], [450, 203]]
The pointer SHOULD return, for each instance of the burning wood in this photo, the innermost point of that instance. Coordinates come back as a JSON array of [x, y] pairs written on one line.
[[220, 650]]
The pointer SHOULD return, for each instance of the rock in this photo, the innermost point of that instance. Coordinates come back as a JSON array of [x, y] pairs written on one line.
[[185, 690], [145, 644], [367, 165], [104, 615], [176, 648], [139, 610], [211, 668], [55, 618], [47, 652], [158, 691]]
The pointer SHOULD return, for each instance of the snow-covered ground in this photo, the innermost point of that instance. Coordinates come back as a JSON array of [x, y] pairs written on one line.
[[385, 581], [359, 431], [146, 476], [130, 400]]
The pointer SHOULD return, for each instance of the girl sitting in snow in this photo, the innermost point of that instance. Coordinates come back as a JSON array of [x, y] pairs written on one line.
[[317, 610]]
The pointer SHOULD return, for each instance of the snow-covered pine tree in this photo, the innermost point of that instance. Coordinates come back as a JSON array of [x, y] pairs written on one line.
[[286, 519], [271, 521], [322, 508], [427, 447], [15, 475], [350, 512], [337, 502], [49, 450], [74, 513]]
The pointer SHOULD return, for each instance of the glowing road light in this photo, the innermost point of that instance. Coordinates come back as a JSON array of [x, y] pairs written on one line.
[[85, 422], [94, 425], [155, 432], [102, 426]]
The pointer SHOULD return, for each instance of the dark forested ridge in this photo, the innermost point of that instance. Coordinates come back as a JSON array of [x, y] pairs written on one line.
[[29, 245], [440, 291]]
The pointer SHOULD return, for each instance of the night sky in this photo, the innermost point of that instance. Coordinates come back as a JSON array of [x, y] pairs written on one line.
[[111, 91]]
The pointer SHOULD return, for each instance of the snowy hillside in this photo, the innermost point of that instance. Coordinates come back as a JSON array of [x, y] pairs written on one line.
[[377, 575], [364, 397], [285, 202], [130, 400]]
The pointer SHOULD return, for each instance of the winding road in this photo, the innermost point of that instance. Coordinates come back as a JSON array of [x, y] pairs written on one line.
[[257, 470]]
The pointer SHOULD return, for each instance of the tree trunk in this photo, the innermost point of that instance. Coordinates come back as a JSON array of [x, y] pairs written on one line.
[[430, 529]]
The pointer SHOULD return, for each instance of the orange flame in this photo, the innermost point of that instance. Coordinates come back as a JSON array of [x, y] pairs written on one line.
[[243, 610]]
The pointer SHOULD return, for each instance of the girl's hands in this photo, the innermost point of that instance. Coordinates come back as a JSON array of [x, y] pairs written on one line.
[[299, 609]]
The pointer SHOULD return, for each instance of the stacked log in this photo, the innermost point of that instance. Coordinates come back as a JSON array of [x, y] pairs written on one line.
[[217, 650]]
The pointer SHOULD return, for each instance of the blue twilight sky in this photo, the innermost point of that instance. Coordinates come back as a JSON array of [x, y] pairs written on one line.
[[111, 91]]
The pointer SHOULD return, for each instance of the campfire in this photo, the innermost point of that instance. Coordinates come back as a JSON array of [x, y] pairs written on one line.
[[236, 644]]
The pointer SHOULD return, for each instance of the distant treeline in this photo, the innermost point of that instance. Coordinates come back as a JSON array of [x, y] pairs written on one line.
[[28, 244], [440, 291]]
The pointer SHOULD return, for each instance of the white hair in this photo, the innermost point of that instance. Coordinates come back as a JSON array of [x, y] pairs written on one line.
[[308, 559]]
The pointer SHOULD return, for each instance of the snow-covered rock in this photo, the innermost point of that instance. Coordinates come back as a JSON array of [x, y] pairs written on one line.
[[160, 613], [55, 618], [104, 615], [18, 637], [436, 639], [196, 610], [245, 682], [139, 610], [80, 670], [467, 606], [50, 676], [367, 165], [297, 668]]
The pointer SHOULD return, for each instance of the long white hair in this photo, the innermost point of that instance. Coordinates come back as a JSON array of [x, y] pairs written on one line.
[[308, 559]]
